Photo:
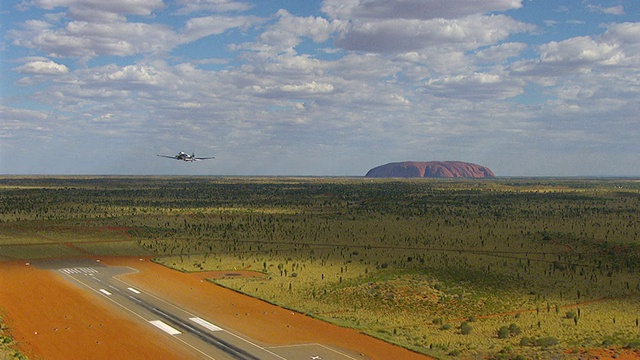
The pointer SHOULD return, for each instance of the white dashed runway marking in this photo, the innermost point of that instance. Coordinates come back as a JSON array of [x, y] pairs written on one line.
[[164, 327], [205, 324], [105, 292]]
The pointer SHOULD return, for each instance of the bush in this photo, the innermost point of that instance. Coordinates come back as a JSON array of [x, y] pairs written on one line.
[[525, 341], [506, 332], [465, 328], [454, 352], [633, 345], [546, 342], [570, 315]]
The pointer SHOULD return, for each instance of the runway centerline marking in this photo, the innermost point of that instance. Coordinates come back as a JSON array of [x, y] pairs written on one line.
[[133, 290]]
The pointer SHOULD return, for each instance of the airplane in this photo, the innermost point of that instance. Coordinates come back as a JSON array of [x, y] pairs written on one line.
[[185, 157]]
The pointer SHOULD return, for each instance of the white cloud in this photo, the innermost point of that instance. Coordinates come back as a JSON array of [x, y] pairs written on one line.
[[86, 40], [501, 52], [197, 28], [26, 123], [613, 10], [406, 35], [477, 86], [414, 9], [136, 74], [105, 31], [577, 51], [310, 88], [396, 26], [43, 67], [124, 7], [212, 6]]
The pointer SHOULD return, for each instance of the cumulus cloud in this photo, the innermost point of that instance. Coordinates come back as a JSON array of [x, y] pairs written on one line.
[[317, 28], [477, 86], [617, 47], [293, 90], [396, 26], [42, 67], [501, 52], [200, 27], [86, 39], [402, 35], [124, 7], [104, 30], [414, 9], [21, 121], [212, 6], [311, 88]]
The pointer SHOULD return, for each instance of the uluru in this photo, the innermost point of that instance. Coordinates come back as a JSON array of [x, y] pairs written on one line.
[[430, 169]]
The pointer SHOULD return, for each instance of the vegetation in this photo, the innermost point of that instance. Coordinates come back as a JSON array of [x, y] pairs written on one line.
[[448, 268], [7, 344]]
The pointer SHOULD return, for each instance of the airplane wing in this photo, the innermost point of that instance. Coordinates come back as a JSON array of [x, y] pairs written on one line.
[[168, 157], [203, 158]]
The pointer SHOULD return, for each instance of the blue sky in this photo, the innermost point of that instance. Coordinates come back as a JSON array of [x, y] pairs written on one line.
[[333, 87]]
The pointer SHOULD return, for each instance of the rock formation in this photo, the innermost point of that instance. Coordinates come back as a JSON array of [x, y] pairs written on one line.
[[431, 169]]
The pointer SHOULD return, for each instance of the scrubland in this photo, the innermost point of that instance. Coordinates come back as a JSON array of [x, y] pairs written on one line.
[[500, 268]]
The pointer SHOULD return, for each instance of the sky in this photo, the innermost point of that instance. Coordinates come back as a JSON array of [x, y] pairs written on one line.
[[319, 88]]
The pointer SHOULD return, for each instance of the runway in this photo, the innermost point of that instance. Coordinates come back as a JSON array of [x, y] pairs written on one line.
[[202, 336]]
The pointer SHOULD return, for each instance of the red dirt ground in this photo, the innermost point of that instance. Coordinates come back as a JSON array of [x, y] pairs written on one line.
[[51, 318]]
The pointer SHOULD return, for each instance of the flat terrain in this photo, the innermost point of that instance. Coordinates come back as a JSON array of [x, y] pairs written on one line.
[[499, 268]]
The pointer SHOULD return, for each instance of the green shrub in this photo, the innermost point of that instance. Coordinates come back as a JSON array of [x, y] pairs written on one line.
[[506, 332], [503, 332], [570, 315], [465, 328], [514, 330], [546, 342], [635, 344]]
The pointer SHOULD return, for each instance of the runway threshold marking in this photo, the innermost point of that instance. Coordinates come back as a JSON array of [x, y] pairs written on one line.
[[205, 324], [164, 327]]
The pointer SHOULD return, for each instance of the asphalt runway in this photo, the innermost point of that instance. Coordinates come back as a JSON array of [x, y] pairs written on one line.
[[203, 337]]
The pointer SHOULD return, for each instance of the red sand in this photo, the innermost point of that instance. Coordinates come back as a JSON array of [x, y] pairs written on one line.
[[51, 318]]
